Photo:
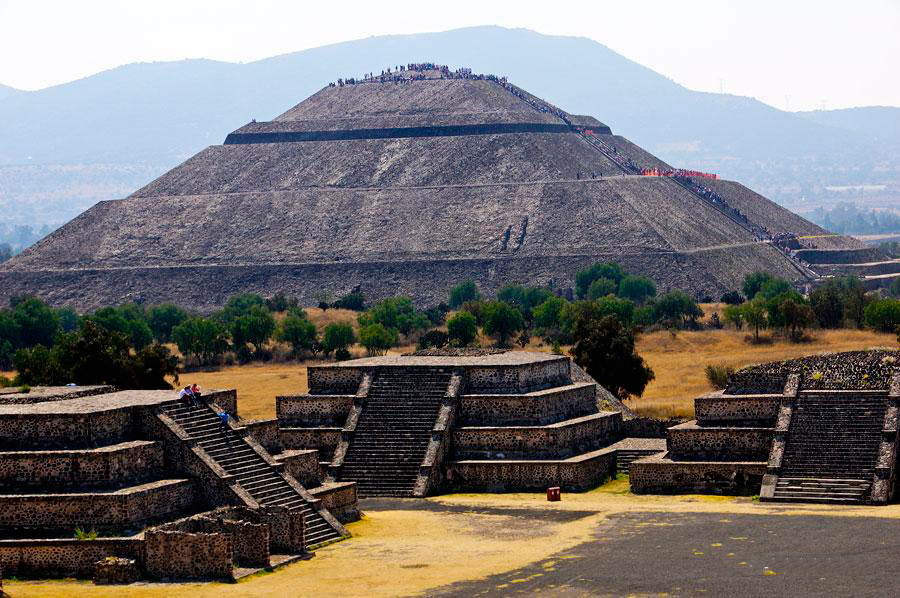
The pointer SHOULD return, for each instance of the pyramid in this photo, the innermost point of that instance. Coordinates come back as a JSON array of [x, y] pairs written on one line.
[[409, 183]]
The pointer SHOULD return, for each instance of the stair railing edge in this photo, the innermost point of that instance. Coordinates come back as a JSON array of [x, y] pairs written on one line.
[[779, 438], [430, 475], [347, 432], [316, 504], [884, 478]]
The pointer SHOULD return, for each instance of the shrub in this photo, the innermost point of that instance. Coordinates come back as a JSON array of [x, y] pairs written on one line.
[[734, 316], [796, 318], [436, 339], [355, 301], [525, 299], [462, 329], [465, 291], [718, 375], [377, 339], [436, 315], [546, 316], [397, 313], [732, 298], [279, 302], [337, 336], [605, 349], [676, 308], [342, 354], [239, 305], [502, 320]]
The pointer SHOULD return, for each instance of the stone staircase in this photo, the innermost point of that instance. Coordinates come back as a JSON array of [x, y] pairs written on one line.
[[394, 429], [256, 476], [624, 458], [831, 448]]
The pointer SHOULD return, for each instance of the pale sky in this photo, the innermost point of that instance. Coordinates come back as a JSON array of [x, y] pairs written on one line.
[[793, 54]]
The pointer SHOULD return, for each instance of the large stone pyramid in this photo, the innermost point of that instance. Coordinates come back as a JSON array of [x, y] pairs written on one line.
[[407, 184]]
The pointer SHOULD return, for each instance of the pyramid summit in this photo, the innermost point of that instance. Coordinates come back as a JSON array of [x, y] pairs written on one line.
[[407, 182]]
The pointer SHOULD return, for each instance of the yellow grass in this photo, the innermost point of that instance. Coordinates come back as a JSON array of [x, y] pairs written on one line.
[[679, 361]]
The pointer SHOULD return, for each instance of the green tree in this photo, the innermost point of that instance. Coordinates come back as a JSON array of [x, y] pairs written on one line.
[[547, 314], [894, 289], [336, 337], [377, 339], [523, 298], [775, 287], [637, 288], [883, 315], [754, 313], [796, 317], [163, 319], [601, 288], [584, 278], [255, 326], [732, 298], [397, 313], [436, 339], [827, 302], [129, 320], [204, 338], [734, 315], [355, 301], [622, 309], [753, 282], [297, 330], [239, 305], [605, 349], [462, 329], [68, 319], [94, 355], [37, 324], [502, 320], [676, 308], [463, 292]]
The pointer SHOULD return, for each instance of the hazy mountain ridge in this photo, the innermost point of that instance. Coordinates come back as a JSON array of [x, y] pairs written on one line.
[[141, 119]]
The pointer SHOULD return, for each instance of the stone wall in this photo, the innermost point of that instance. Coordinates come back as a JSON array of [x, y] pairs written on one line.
[[500, 379], [333, 380], [249, 539], [226, 399], [537, 408], [322, 439], [761, 409], [340, 499], [66, 557], [655, 474], [108, 466], [559, 440], [265, 431], [692, 442], [20, 431], [122, 508], [44, 394], [313, 410], [183, 555], [302, 464], [579, 473], [648, 427]]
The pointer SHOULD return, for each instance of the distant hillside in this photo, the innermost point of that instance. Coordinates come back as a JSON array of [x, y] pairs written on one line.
[[115, 130], [880, 122]]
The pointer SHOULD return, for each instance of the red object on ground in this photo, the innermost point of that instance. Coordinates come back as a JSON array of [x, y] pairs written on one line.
[[553, 493]]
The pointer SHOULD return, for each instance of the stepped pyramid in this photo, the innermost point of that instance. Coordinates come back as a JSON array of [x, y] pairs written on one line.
[[407, 184]]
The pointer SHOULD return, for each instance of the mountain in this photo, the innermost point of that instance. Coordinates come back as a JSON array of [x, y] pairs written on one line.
[[65, 147], [879, 122]]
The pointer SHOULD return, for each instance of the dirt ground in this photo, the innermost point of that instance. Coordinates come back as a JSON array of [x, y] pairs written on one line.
[[422, 547]]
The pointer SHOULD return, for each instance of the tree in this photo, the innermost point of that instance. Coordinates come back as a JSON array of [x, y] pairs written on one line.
[[622, 309], [94, 355], [239, 305], [883, 315], [355, 301], [163, 319], [774, 287], [827, 303], [525, 299], [397, 313], [796, 317], [502, 320], [255, 326], [676, 308], [734, 315], [462, 329], [732, 298], [584, 278], [637, 288], [601, 288], [754, 313], [463, 292], [297, 331], [337, 336], [605, 349], [377, 339], [68, 319], [204, 338], [894, 289], [753, 282], [37, 323], [279, 302], [546, 315], [128, 320]]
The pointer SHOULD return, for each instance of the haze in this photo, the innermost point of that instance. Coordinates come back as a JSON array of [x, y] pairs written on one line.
[[800, 55]]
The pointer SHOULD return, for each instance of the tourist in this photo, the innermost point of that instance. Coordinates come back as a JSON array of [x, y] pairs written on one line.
[[195, 392], [187, 393], [223, 420]]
